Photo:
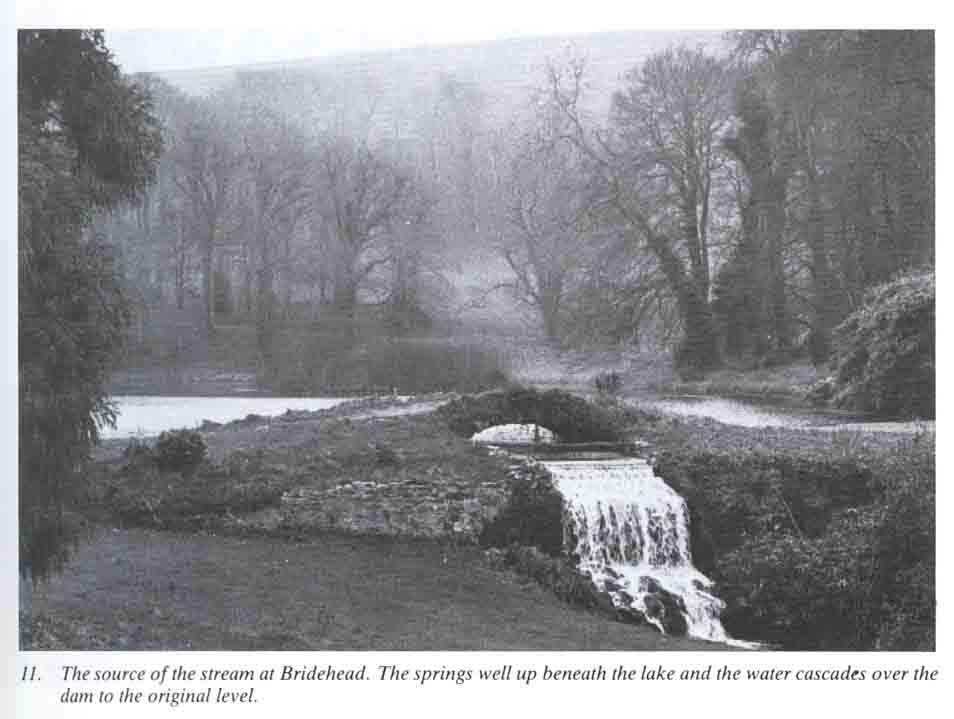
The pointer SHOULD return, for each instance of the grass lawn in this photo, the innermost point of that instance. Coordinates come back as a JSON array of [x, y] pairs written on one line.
[[139, 589]]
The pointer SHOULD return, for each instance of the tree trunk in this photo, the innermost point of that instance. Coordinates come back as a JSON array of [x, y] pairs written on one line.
[[778, 317], [699, 351], [345, 297], [180, 267], [208, 289], [826, 310]]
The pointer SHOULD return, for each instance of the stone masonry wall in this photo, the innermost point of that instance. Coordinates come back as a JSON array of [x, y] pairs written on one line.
[[432, 505]]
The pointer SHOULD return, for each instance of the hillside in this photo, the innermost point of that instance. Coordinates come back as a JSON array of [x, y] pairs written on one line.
[[505, 69]]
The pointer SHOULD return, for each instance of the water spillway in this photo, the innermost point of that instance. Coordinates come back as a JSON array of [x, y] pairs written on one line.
[[630, 531]]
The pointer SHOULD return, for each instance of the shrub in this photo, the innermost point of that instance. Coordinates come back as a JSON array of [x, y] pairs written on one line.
[[560, 576], [180, 450], [608, 382], [136, 494], [571, 418], [737, 498], [884, 351], [815, 553], [903, 582], [533, 515], [802, 593], [138, 452]]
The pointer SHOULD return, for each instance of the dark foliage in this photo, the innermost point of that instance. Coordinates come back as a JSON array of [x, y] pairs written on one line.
[[179, 450], [802, 593], [560, 576], [323, 362], [428, 366], [904, 547], [533, 515], [572, 418], [816, 554], [608, 382], [136, 493], [86, 140], [885, 350], [737, 498]]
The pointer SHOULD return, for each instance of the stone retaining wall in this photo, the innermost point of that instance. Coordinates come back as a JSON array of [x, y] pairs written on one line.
[[430, 507]]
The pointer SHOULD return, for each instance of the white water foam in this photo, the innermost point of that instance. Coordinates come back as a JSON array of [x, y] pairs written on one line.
[[631, 531]]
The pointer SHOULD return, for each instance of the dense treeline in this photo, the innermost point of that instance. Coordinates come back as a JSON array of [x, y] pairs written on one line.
[[735, 206]]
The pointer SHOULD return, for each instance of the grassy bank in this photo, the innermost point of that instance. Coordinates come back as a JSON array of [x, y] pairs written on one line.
[[140, 590]]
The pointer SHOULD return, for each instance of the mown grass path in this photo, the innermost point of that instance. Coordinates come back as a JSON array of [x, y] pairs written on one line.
[[137, 589]]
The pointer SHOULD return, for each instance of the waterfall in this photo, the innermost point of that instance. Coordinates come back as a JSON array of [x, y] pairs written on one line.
[[631, 533]]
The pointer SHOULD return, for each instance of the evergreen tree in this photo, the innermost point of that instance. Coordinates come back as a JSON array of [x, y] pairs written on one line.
[[87, 140]]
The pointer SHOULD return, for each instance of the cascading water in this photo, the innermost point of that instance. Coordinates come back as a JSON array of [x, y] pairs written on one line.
[[631, 533]]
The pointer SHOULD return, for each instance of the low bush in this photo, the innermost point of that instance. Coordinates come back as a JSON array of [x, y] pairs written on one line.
[[736, 498], [138, 452], [533, 515], [138, 494], [815, 553], [179, 450], [572, 418], [802, 593], [884, 351], [558, 575], [904, 546], [608, 382]]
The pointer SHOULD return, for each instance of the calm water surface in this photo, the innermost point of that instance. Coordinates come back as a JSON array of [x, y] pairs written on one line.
[[145, 416]]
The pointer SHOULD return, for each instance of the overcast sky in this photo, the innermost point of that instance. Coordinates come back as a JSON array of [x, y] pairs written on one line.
[[310, 28], [145, 50], [151, 50]]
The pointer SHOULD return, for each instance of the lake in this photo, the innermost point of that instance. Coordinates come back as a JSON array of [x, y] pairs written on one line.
[[145, 416]]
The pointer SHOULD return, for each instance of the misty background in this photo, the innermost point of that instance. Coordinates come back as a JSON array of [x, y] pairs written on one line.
[[699, 196]]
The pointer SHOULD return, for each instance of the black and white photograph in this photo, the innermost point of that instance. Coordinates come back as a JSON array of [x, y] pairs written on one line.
[[583, 341]]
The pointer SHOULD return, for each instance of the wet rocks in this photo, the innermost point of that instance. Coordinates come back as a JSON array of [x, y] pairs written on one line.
[[664, 607]]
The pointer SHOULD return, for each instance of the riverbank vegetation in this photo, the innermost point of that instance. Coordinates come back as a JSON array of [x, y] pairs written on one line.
[[815, 540], [885, 350]]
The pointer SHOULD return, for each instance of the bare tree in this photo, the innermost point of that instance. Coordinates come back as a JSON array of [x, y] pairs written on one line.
[[359, 196], [277, 164], [548, 216], [656, 166], [206, 172]]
